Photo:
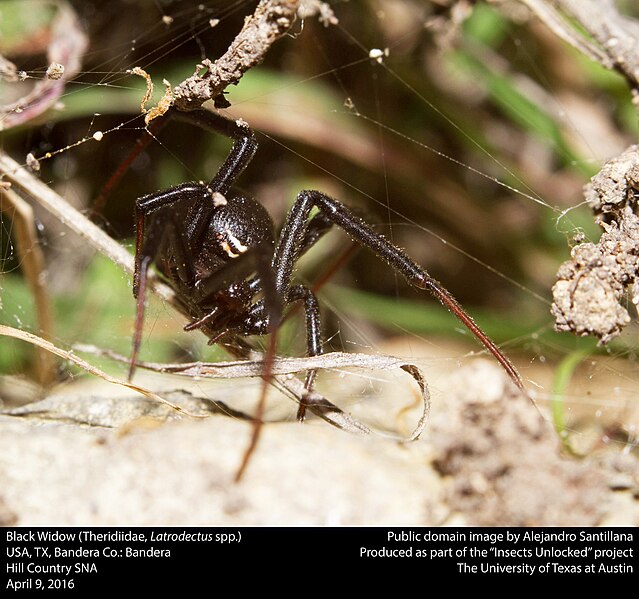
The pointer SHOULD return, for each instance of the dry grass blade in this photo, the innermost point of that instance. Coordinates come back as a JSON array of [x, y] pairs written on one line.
[[284, 368], [32, 265], [42, 194], [71, 357]]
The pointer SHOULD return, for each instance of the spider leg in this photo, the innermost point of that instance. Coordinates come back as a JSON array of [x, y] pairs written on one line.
[[291, 244], [242, 152], [313, 335], [155, 227], [139, 313], [317, 227], [260, 314], [265, 316]]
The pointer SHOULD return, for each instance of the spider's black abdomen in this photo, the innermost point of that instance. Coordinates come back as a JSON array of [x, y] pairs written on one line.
[[238, 224], [237, 227]]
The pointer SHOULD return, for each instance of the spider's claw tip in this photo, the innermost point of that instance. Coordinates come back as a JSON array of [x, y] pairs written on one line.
[[301, 412]]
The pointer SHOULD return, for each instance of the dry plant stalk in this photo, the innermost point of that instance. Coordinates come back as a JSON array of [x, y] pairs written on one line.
[[32, 265], [32, 187], [270, 21], [283, 368]]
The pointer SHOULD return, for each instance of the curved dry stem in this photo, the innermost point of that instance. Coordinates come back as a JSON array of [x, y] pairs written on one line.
[[32, 265], [283, 370]]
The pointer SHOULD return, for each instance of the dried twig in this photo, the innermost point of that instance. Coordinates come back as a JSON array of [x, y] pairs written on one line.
[[614, 39], [271, 20], [69, 216]]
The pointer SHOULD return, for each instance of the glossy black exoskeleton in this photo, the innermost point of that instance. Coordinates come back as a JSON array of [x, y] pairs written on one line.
[[217, 249]]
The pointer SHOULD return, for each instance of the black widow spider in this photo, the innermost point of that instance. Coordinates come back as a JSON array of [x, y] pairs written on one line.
[[217, 249]]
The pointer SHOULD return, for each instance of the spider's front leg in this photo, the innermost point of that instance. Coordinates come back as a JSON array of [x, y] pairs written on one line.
[[292, 243], [172, 224], [200, 200]]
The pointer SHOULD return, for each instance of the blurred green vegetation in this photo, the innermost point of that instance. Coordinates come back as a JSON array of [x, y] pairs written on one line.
[[495, 98], [17, 23], [563, 376]]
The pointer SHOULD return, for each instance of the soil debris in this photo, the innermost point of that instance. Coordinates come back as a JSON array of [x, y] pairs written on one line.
[[591, 285]]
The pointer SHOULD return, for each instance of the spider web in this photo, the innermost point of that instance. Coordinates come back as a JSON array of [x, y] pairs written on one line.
[[466, 144]]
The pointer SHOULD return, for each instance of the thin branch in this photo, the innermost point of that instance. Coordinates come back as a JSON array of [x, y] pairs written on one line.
[[271, 20], [614, 39]]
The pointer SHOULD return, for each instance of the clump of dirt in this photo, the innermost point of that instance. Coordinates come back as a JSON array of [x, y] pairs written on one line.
[[592, 283], [488, 457], [503, 460]]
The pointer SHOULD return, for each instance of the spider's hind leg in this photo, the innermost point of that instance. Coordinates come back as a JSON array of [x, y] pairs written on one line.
[[313, 337], [291, 244]]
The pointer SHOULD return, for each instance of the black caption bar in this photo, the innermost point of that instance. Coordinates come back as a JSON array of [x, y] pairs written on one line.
[[85, 559]]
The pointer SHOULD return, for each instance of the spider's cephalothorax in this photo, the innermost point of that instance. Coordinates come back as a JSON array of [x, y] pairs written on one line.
[[217, 249]]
